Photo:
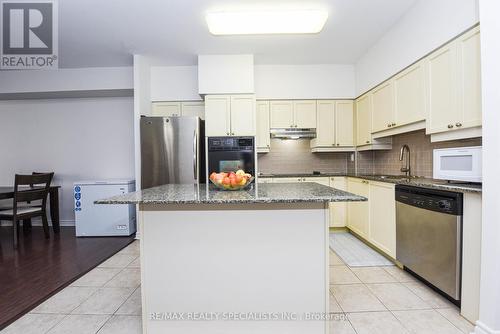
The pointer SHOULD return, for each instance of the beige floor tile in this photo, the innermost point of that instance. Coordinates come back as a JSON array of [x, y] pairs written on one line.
[[335, 260], [132, 305], [122, 324], [334, 305], [376, 323], [399, 274], [453, 316], [79, 324], [118, 261], [66, 300], [133, 249], [428, 295], [342, 275], [33, 324], [396, 296], [425, 322], [341, 325], [135, 264], [97, 277], [356, 298], [373, 275], [104, 301], [127, 278]]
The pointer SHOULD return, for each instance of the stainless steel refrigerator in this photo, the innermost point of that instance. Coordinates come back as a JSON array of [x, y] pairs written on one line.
[[172, 151]]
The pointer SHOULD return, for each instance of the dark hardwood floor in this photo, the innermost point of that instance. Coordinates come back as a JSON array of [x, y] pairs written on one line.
[[41, 267]]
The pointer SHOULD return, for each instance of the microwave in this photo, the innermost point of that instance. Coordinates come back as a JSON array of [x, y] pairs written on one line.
[[458, 164]]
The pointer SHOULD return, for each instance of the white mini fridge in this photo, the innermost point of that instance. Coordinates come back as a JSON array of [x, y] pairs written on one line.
[[94, 220]]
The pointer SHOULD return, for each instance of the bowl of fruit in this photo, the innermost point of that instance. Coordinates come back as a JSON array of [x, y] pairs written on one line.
[[231, 181]]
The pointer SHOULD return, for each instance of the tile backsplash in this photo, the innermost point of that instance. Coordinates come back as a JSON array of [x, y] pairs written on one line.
[[421, 148], [295, 156]]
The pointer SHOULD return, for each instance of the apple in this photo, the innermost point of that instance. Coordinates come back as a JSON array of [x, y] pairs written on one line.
[[243, 181], [233, 182], [240, 172], [238, 179], [226, 181], [218, 178], [212, 176]]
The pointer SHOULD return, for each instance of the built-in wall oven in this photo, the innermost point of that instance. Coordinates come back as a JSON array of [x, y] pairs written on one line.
[[228, 154], [429, 236]]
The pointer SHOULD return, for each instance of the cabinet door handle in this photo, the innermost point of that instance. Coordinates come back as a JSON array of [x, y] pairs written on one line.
[[338, 144], [389, 125], [393, 124], [227, 133], [299, 180], [303, 179], [458, 124], [450, 126], [368, 142]]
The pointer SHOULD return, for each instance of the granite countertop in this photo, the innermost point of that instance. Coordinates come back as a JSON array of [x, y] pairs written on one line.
[[258, 193], [396, 179]]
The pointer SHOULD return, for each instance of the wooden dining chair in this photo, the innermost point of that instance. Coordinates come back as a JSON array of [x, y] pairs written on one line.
[[36, 188]]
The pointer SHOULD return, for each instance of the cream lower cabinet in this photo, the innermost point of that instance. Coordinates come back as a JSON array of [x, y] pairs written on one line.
[[264, 180], [287, 179], [230, 115], [358, 213], [382, 221], [338, 210]]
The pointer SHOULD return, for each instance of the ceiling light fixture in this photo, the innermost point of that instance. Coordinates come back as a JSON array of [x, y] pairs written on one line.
[[266, 22]]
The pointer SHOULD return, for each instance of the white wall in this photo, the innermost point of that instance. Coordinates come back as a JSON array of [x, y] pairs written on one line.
[[76, 138], [426, 26], [174, 83], [304, 81], [99, 78], [180, 83], [489, 309]]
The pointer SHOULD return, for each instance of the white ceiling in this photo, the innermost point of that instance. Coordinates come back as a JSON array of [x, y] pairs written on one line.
[[107, 33]]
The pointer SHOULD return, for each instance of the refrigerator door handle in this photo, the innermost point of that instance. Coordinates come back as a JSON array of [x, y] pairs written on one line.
[[195, 155]]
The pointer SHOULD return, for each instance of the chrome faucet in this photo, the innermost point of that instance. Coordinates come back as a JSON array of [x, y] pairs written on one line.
[[406, 169]]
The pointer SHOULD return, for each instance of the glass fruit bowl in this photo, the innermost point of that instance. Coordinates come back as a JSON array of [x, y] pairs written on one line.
[[230, 187]]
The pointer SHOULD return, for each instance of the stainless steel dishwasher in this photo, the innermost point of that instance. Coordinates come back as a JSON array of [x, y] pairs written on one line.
[[429, 236]]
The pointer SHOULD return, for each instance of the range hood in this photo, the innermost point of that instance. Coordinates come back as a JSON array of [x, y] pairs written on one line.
[[293, 133]]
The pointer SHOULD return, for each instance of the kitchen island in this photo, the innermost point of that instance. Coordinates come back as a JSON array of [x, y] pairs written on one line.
[[253, 261]]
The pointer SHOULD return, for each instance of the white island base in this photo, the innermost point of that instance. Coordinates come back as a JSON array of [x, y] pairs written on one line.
[[220, 261]]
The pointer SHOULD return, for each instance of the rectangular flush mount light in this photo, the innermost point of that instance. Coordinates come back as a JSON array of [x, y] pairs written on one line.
[[266, 22]]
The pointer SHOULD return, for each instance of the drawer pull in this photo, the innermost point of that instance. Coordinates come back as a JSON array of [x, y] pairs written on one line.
[[450, 126], [458, 125]]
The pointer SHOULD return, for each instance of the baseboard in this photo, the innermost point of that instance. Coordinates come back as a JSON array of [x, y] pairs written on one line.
[[38, 222], [481, 328]]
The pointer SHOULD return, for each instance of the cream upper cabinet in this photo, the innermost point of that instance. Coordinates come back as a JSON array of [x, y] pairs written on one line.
[[441, 77], [218, 115], [338, 210], [409, 95], [293, 114], [469, 70], [230, 115], [242, 115], [304, 114], [363, 120], [166, 109], [382, 226], [358, 213], [281, 114], [344, 123], [195, 108], [263, 139], [325, 128], [453, 80], [383, 116]]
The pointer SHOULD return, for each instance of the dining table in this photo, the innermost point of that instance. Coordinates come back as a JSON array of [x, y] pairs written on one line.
[[7, 192]]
